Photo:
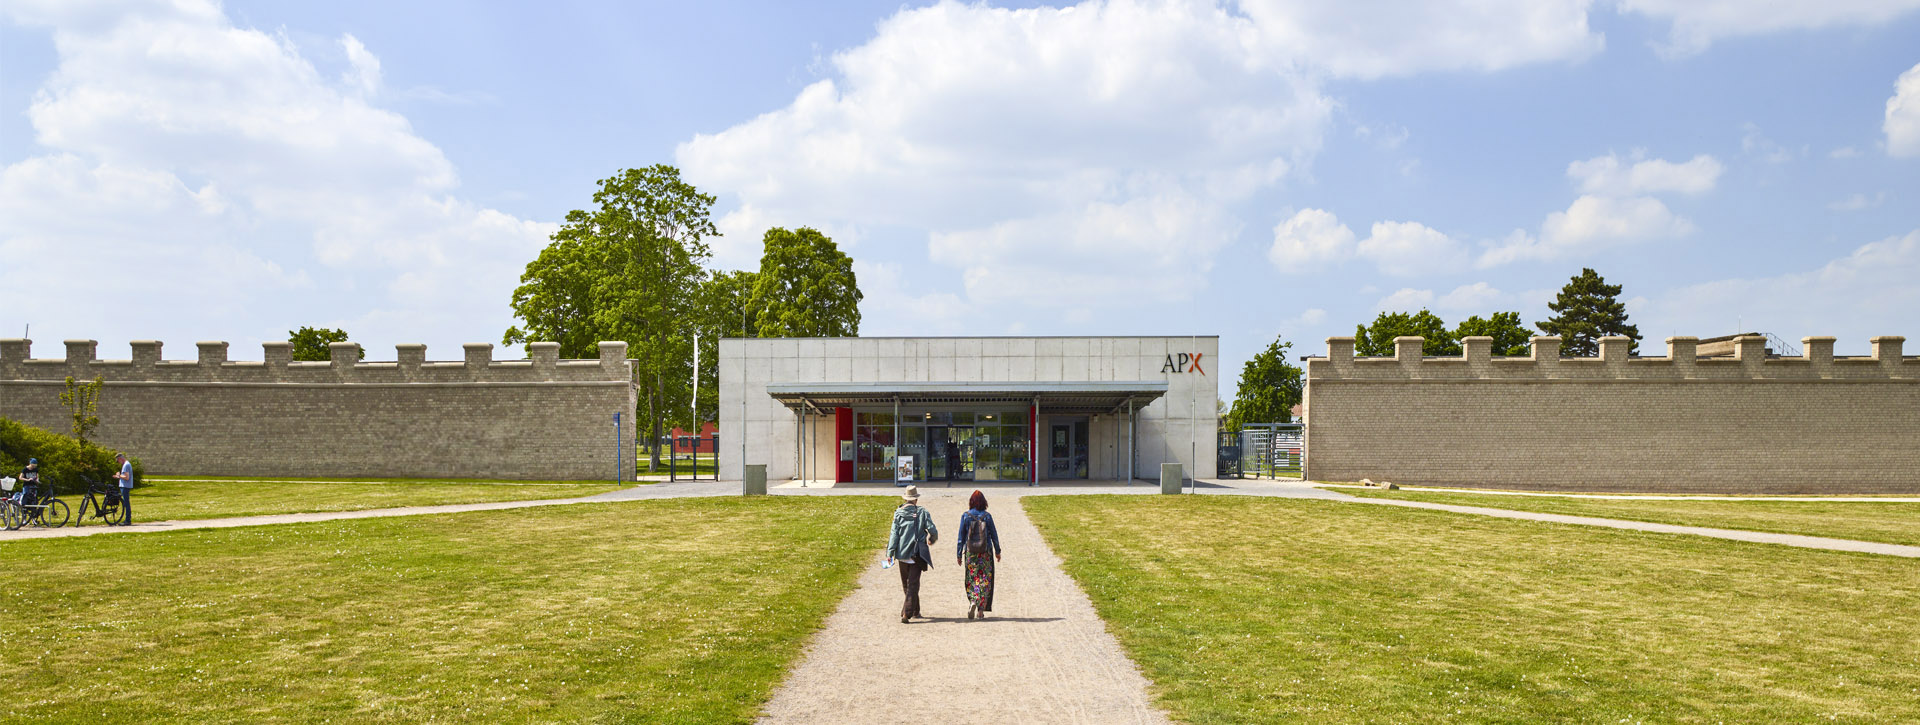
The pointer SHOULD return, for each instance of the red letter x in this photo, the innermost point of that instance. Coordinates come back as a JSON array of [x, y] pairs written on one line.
[[1196, 364]]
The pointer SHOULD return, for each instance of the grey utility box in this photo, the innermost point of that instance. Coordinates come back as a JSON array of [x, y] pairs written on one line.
[[1170, 478], [755, 483]]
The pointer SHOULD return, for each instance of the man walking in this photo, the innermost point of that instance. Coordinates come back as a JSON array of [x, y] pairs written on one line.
[[126, 488], [908, 547]]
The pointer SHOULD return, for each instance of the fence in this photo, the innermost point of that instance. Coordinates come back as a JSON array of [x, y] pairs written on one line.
[[1270, 450], [692, 458]]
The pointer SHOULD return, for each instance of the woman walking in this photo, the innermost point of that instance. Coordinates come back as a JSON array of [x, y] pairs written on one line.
[[979, 548], [908, 548]]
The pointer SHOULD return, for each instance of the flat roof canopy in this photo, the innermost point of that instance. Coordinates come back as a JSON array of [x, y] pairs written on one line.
[[1056, 398]]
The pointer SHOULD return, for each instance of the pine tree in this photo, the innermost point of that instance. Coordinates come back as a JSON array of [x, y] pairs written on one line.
[[1588, 309]]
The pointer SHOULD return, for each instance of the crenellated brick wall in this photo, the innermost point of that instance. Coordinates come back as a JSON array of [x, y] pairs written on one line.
[[540, 418], [1752, 423]]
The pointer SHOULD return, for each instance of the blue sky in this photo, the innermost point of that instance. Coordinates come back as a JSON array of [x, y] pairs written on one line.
[[188, 171]]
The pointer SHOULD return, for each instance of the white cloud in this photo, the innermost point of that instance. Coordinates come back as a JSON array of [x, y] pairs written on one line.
[[1407, 249], [1037, 159], [1309, 239], [1756, 144], [1844, 152], [1607, 175], [1591, 223], [1474, 299], [1903, 115], [1697, 24], [1406, 299], [1866, 293], [1361, 40], [237, 192], [364, 68], [1858, 202], [891, 307]]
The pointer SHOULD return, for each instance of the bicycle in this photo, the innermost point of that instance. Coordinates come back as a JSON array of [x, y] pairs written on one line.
[[107, 507], [46, 510]]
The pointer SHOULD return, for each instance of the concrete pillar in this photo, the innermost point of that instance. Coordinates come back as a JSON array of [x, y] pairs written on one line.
[[1170, 478], [755, 481], [1615, 349]]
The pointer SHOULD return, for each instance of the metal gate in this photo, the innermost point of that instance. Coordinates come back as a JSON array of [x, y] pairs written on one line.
[[693, 458], [1271, 450]]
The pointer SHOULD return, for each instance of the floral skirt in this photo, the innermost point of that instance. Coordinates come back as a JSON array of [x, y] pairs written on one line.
[[979, 581]]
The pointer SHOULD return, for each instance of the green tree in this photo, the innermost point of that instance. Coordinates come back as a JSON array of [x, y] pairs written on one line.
[[805, 288], [629, 269], [1376, 340], [1269, 388], [312, 343], [724, 312], [1588, 309], [1509, 336]]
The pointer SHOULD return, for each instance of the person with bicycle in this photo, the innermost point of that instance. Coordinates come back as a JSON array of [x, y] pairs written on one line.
[[125, 477], [29, 494]]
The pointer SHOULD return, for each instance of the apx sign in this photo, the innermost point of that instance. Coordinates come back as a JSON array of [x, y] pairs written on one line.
[[1183, 363]]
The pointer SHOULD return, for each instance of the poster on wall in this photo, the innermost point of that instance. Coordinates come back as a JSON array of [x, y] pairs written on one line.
[[846, 450], [903, 469]]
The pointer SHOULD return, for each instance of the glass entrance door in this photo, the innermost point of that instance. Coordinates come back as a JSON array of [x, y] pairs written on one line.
[[1067, 446], [950, 453]]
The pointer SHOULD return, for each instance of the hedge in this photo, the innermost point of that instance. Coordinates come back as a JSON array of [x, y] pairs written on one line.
[[62, 460]]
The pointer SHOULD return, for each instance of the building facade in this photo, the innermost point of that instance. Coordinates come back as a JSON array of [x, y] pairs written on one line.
[[1030, 409]]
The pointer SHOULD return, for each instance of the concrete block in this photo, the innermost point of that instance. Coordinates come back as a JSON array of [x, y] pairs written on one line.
[[755, 481], [1170, 478]]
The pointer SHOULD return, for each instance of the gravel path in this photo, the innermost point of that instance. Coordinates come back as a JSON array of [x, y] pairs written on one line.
[[1043, 657]]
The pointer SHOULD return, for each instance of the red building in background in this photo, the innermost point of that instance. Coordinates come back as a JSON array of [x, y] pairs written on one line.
[[684, 442]]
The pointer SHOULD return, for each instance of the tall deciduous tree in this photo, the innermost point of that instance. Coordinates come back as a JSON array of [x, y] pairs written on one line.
[[1376, 340], [805, 288], [1509, 336], [1269, 388], [1588, 309], [724, 312], [629, 269], [312, 344]]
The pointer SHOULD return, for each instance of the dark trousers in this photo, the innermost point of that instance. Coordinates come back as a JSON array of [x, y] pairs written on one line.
[[126, 505], [910, 583]]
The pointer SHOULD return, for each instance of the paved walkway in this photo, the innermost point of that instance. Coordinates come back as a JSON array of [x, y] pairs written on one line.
[[1043, 657]]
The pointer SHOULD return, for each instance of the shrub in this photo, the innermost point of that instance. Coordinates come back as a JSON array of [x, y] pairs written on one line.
[[63, 460]]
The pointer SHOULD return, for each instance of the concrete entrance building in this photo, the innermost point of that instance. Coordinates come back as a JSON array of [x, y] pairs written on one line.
[[968, 408]]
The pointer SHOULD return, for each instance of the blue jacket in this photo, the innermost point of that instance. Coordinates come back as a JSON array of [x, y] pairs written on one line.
[[912, 531], [966, 526]]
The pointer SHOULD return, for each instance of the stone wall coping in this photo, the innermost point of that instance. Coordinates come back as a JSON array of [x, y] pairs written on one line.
[[347, 366], [1543, 362]]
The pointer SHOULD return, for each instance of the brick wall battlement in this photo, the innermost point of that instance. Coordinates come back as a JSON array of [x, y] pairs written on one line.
[[1750, 362], [277, 365], [539, 418], [1749, 424]]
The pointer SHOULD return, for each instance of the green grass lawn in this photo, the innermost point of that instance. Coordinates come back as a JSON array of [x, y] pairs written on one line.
[[1244, 609], [1892, 522], [685, 610], [164, 499]]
